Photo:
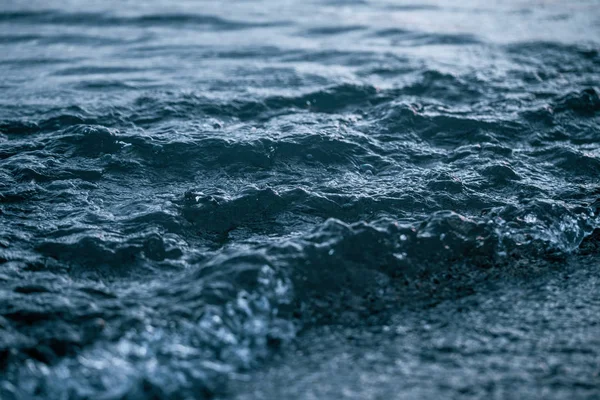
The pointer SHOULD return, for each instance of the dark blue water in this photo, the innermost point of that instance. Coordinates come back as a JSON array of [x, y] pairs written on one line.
[[189, 190]]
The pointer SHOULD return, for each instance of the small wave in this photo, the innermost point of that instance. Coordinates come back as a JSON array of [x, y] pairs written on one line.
[[413, 7], [442, 129], [27, 169], [87, 249], [586, 102], [16, 38], [147, 110], [95, 70], [228, 329], [444, 87], [85, 140], [571, 160], [334, 30], [555, 50], [56, 120], [103, 19], [413, 38]]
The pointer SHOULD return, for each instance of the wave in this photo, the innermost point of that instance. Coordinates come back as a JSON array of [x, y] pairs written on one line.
[[56, 17], [228, 311], [585, 102], [414, 38], [146, 110], [334, 30]]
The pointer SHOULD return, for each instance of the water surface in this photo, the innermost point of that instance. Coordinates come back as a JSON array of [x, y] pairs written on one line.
[[189, 189]]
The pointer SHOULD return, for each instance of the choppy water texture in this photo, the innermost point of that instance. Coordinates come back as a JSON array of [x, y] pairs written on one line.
[[285, 199]]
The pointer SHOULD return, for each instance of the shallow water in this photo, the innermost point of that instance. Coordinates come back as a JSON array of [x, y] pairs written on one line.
[[187, 189]]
